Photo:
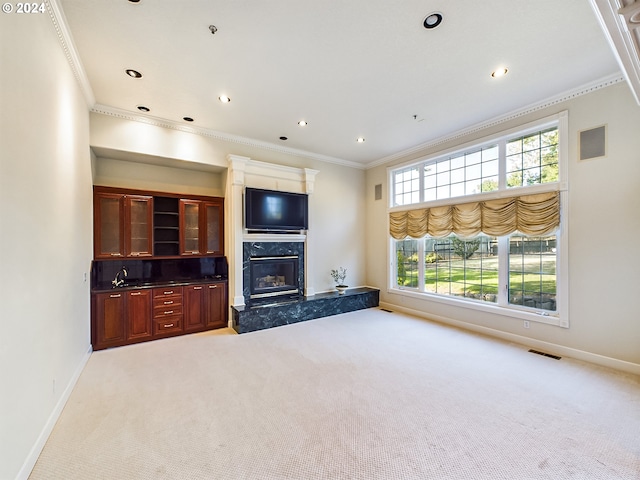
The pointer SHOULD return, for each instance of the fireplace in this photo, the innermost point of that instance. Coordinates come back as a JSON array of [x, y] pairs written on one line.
[[273, 276], [272, 269]]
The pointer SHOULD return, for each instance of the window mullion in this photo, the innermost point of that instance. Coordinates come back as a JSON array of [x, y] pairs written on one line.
[[421, 182], [421, 260], [503, 271], [502, 165]]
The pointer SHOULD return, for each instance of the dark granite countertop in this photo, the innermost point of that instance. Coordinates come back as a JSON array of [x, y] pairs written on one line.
[[142, 285]]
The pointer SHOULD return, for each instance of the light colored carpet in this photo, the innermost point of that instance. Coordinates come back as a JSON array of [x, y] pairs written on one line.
[[364, 395]]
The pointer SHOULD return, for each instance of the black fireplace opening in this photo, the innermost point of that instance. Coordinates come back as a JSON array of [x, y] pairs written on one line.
[[274, 276]]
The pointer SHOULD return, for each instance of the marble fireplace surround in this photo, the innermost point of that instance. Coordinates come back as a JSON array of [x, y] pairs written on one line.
[[270, 249]]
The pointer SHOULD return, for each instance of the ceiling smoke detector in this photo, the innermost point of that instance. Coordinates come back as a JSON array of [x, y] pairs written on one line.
[[432, 20]]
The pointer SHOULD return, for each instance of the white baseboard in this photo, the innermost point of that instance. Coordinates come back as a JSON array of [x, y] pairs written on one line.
[[32, 458], [553, 348]]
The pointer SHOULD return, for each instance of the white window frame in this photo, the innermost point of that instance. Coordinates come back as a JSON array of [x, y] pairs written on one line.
[[561, 316]]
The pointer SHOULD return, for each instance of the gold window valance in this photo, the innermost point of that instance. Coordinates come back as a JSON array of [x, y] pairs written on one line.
[[534, 215]]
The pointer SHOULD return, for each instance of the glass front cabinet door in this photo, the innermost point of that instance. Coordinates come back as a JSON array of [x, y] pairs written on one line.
[[122, 225]]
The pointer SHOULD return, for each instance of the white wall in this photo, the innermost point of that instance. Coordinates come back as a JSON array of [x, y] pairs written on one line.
[[604, 268], [45, 236]]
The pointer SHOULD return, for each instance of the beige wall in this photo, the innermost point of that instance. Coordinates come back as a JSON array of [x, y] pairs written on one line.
[[45, 236], [157, 178], [604, 268]]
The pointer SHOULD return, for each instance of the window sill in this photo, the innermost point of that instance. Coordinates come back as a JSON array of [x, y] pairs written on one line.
[[512, 312]]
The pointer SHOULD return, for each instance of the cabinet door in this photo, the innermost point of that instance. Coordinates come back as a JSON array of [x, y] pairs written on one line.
[[138, 225], [139, 322], [194, 308], [213, 226], [109, 322], [216, 305], [108, 225], [190, 227]]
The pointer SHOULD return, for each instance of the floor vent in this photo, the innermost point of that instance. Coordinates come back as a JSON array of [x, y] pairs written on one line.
[[555, 357], [385, 310]]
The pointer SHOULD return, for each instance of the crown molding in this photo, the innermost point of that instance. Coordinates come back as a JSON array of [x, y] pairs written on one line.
[[65, 38], [555, 100], [616, 18], [226, 137]]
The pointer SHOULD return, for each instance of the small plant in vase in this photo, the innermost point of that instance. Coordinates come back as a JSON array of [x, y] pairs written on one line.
[[339, 276]]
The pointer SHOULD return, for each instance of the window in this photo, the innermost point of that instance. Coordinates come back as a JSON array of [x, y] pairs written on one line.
[[520, 274]]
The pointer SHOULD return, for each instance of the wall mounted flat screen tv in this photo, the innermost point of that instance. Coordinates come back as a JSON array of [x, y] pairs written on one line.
[[273, 210]]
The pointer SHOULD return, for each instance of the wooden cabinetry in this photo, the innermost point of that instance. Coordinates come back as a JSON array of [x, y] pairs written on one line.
[[167, 310], [194, 308], [122, 225], [120, 317], [216, 305], [213, 227], [206, 307], [138, 318], [132, 223], [201, 227], [107, 329]]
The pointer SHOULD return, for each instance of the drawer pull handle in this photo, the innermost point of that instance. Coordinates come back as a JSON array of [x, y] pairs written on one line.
[[136, 293], [168, 303], [169, 292], [213, 286], [116, 254], [197, 288], [115, 296], [169, 312], [168, 325]]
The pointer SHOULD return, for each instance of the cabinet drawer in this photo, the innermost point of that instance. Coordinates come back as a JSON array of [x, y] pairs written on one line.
[[167, 292], [166, 311], [167, 302], [167, 325]]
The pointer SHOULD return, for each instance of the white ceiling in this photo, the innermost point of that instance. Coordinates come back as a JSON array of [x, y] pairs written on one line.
[[349, 68]]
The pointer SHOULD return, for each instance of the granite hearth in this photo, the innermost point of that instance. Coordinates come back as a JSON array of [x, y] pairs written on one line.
[[268, 313]]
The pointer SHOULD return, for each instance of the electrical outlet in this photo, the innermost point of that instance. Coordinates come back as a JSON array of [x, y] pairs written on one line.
[[84, 277], [526, 324]]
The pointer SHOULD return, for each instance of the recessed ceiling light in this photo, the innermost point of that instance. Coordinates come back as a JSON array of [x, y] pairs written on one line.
[[134, 1], [187, 119], [133, 73], [360, 140], [224, 99], [432, 20], [142, 108], [500, 72], [302, 123], [283, 138]]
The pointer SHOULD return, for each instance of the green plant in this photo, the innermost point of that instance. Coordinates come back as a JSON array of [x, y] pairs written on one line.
[[339, 276], [432, 257], [465, 249]]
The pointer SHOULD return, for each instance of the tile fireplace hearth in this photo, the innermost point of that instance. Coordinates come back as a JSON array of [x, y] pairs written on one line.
[[270, 312]]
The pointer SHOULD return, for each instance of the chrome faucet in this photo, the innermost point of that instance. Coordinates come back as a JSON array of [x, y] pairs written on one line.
[[118, 281]]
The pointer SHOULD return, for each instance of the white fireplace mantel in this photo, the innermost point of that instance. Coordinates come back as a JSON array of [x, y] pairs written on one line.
[[245, 172]]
